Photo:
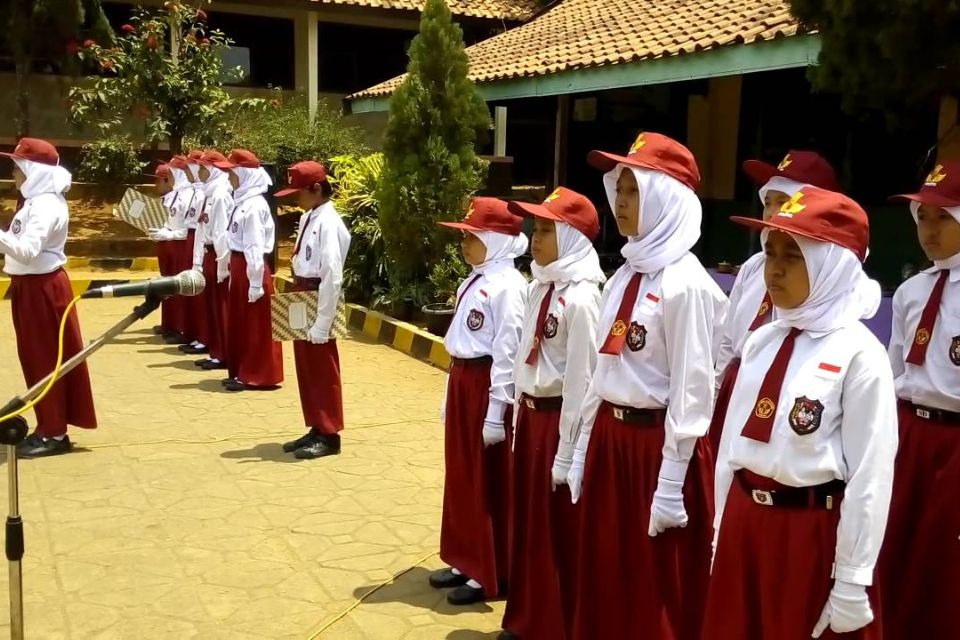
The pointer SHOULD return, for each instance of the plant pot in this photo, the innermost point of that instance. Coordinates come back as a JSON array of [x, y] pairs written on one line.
[[439, 316], [402, 311]]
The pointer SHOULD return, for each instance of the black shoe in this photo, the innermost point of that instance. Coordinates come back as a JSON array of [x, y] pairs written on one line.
[[30, 442], [176, 338], [318, 447], [235, 385], [159, 330], [45, 447], [464, 595], [212, 365], [225, 381], [302, 441], [447, 578], [506, 635], [192, 350]]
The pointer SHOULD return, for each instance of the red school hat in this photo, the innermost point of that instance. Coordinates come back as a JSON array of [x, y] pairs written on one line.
[[178, 162], [303, 175], [488, 214], [941, 188], [162, 171], [807, 167], [239, 158], [195, 156], [653, 151], [35, 150], [822, 215], [211, 158], [563, 205]]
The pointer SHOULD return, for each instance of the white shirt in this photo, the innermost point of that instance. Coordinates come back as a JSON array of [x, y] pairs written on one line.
[[667, 361], [212, 227], [323, 242], [746, 296], [843, 381], [34, 243], [568, 351], [177, 203], [269, 229], [245, 233], [937, 383], [487, 323], [192, 215]]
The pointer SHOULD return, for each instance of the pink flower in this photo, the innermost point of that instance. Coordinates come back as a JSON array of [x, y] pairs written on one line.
[[201, 15], [87, 44], [128, 28]]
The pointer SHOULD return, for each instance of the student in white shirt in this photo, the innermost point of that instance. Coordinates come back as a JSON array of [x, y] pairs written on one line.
[[39, 293], [920, 562], [171, 238], [482, 341], [254, 359], [558, 350], [641, 462], [195, 309], [806, 461], [318, 259], [750, 305]]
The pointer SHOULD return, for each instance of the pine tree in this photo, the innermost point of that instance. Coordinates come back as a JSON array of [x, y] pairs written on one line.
[[431, 168]]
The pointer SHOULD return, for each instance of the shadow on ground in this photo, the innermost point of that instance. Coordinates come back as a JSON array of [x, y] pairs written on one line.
[[412, 588], [264, 452]]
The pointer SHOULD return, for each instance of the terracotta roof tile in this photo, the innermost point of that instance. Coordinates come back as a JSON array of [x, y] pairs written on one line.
[[494, 9]]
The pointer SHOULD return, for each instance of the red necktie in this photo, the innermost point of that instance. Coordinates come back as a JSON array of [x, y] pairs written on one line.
[[763, 313], [464, 294], [541, 320], [760, 423], [617, 337], [303, 232], [918, 352]]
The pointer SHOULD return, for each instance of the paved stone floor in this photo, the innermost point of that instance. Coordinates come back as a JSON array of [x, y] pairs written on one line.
[[180, 517]]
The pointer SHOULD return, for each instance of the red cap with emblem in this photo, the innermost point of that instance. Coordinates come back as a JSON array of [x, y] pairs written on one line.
[[178, 162], [564, 205], [195, 156], [808, 167], [653, 151], [239, 158], [488, 214], [941, 188], [35, 150], [822, 215], [211, 158], [303, 175]]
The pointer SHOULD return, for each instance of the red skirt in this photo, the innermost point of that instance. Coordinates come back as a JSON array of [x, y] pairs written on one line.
[[919, 565], [195, 307], [318, 378], [474, 525], [543, 534], [171, 309], [215, 295], [720, 407], [38, 303], [771, 575], [253, 357], [632, 585]]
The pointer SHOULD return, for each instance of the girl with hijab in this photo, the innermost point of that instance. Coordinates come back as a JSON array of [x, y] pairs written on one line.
[[39, 294], [750, 305], [482, 342], [254, 359], [640, 461], [558, 350], [171, 242], [805, 467], [194, 306]]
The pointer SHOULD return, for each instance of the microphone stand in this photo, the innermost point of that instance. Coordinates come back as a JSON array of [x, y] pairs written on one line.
[[13, 431]]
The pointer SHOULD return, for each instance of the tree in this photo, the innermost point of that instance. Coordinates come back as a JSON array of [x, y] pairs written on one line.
[[164, 69], [430, 166], [47, 30], [892, 55]]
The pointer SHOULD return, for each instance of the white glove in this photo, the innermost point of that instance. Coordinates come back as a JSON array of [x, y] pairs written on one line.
[[254, 294], [159, 234], [493, 433], [198, 268], [317, 336], [561, 465], [222, 274], [575, 475], [667, 510], [180, 234], [847, 609]]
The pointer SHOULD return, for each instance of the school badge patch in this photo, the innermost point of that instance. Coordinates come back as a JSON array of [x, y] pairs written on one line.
[[637, 336], [955, 351], [550, 326], [475, 320], [805, 415], [309, 253], [15, 228], [235, 227]]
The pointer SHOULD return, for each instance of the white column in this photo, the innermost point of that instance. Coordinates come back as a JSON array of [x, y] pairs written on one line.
[[500, 131], [306, 63]]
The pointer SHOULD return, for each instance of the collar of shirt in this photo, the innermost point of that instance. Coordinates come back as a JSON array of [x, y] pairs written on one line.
[[954, 272]]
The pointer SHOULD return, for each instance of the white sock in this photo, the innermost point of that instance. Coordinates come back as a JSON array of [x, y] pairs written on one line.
[[455, 571], [199, 345], [214, 360], [473, 584], [59, 438], [194, 343]]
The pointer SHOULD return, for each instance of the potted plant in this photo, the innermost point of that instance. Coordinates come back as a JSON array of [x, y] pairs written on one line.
[[445, 278]]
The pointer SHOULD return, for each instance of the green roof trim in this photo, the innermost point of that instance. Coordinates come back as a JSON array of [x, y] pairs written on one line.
[[728, 60]]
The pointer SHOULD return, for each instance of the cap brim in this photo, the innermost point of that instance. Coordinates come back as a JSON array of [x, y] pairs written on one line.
[[226, 166], [12, 156], [462, 226], [608, 162], [286, 192], [931, 198], [760, 225], [760, 172], [532, 210]]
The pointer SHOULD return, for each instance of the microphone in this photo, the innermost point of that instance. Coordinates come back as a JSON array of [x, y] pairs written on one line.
[[185, 283]]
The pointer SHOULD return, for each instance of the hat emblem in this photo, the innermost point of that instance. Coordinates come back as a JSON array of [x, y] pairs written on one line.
[[637, 144], [936, 176], [786, 162], [470, 212], [765, 408], [553, 196], [792, 206]]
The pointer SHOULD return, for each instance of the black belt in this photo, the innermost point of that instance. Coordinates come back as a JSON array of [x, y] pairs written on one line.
[[241, 253], [311, 283], [823, 496], [472, 362], [929, 413], [533, 403], [632, 415]]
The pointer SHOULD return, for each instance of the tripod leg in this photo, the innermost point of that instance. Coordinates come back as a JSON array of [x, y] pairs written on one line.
[[14, 547]]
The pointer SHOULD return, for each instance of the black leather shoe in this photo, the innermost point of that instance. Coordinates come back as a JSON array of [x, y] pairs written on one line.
[[302, 441], [176, 338], [192, 350], [209, 364], [157, 329], [447, 578], [235, 385], [225, 381], [465, 595], [506, 635], [318, 447], [43, 447]]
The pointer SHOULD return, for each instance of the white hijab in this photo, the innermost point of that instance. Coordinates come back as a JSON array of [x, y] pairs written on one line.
[[252, 182], [216, 181], [779, 183], [577, 260], [954, 260], [670, 217], [43, 178], [841, 293], [502, 249]]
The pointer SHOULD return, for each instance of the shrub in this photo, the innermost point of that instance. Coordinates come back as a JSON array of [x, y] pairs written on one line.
[[113, 159]]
